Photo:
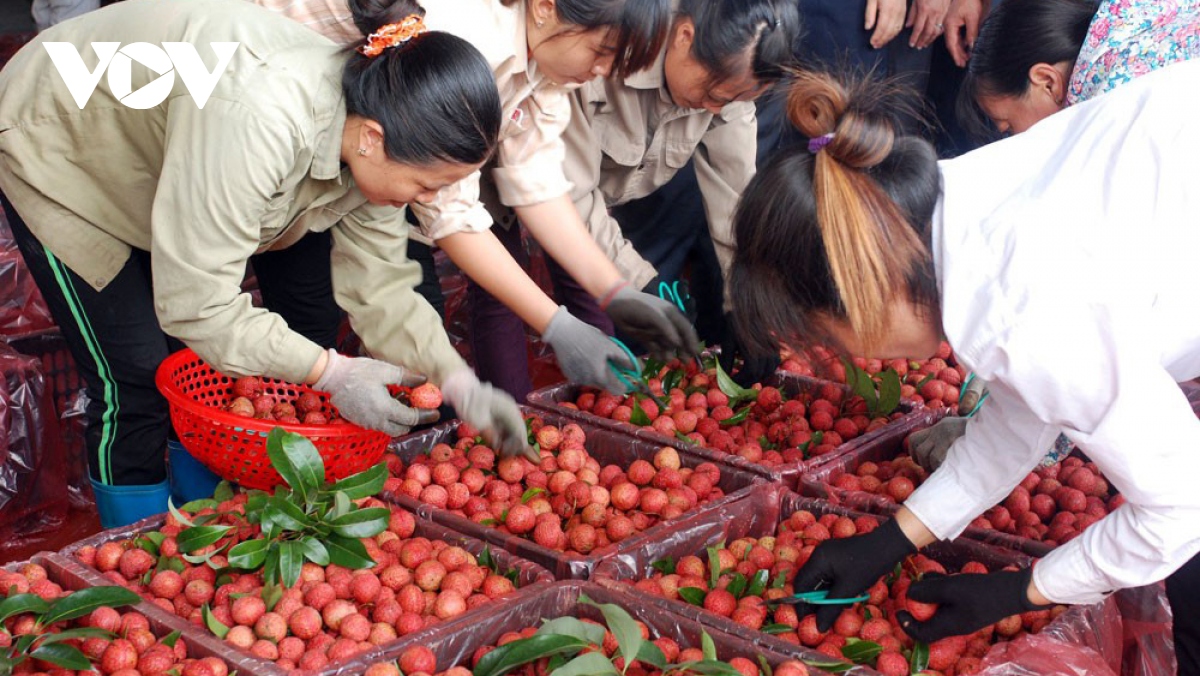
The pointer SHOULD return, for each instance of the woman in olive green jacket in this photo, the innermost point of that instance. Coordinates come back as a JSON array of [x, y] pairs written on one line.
[[137, 218]]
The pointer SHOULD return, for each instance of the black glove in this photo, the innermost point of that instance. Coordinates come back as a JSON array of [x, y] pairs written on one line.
[[967, 603], [849, 566], [681, 290], [754, 369]]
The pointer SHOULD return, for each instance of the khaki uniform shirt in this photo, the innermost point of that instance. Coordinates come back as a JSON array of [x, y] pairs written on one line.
[[203, 190], [528, 167], [628, 139]]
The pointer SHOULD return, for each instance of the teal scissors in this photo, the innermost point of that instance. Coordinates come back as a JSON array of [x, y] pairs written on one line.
[[821, 598], [671, 293], [630, 378]]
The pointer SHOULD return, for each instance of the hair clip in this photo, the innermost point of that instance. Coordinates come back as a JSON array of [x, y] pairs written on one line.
[[817, 144], [393, 35]]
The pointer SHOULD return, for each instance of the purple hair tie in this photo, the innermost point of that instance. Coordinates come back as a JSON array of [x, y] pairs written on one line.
[[815, 145]]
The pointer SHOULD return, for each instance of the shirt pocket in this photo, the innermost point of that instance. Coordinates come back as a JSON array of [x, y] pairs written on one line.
[[619, 145], [274, 220], [677, 153]]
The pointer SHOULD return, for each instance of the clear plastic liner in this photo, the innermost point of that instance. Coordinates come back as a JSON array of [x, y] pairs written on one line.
[[530, 578], [1083, 640], [453, 643], [32, 460], [1149, 645], [607, 447], [551, 399], [23, 311]]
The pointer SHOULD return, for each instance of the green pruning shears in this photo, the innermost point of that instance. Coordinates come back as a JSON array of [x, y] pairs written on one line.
[[821, 598], [630, 378], [671, 293]]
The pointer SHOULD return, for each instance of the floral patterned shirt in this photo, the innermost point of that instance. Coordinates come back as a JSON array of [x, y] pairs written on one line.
[[1129, 38]]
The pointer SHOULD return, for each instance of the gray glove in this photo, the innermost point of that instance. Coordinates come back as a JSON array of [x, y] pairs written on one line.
[[930, 445], [971, 394], [357, 386], [657, 325], [493, 412], [583, 352]]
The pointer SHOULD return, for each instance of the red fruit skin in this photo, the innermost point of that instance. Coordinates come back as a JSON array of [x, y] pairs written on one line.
[[418, 659], [921, 612], [426, 396]]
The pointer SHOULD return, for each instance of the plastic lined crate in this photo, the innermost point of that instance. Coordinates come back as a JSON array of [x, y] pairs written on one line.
[[530, 578], [607, 447], [551, 399], [454, 642], [71, 576], [1086, 637]]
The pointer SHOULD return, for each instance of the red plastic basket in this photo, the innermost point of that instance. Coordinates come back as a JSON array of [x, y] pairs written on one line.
[[234, 446]]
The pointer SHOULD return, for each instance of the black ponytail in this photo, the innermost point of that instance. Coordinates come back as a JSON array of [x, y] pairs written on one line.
[[1016, 36], [435, 95], [725, 29]]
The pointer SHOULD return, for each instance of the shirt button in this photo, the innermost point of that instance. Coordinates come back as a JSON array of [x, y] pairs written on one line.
[[101, 282]]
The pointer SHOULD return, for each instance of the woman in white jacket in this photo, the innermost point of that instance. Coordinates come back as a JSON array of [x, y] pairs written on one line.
[[1060, 266]]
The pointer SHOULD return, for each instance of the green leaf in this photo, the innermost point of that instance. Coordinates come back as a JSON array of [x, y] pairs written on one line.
[[570, 626], [693, 595], [486, 559], [714, 567], [341, 506], [707, 647], [365, 484], [199, 537], [531, 494], [77, 632], [314, 551], [918, 660], [861, 652], [555, 662], [256, 502], [889, 392], [672, 380], [285, 514], [511, 655], [758, 583], [22, 603], [348, 553], [737, 586], [739, 416], [170, 639], [271, 595], [291, 559], [297, 461], [197, 505], [832, 666], [361, 523], [776, 629], [179, 516], [587, 664], [623, 627], [271, 567], [639, 417], [862, 384], [214, 625], [652, 367], [84, 601], [765, 666], [652, 654], [223, 491], [684, 438], [665, 566], [706, 668], [489, 522], [150, 541], [65, 656], [921, 382], [780, 580], [735, 392], [249, 555]]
